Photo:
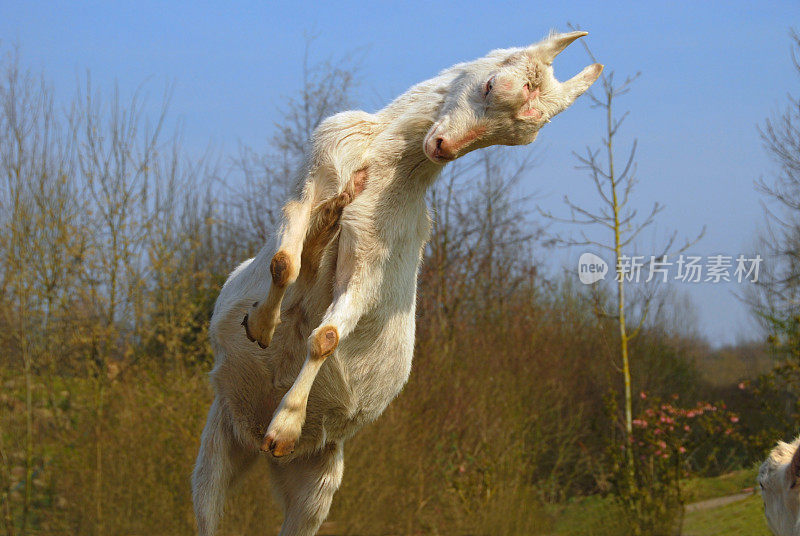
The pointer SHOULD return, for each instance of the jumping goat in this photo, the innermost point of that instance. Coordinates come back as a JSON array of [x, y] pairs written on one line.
[[331, 302]]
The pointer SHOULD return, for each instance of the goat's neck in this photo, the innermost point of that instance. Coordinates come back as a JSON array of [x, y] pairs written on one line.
[[407, 120]]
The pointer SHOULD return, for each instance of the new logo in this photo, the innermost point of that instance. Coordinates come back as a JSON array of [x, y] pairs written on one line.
[[591, 268]]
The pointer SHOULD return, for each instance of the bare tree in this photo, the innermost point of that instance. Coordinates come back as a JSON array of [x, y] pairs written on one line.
[[40, 218], [778, 297], [19, 142], [614, 185], [117, 153], [480, 238]]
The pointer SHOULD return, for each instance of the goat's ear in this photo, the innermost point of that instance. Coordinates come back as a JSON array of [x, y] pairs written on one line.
[[794, 469], [553, 45], [578, 84]]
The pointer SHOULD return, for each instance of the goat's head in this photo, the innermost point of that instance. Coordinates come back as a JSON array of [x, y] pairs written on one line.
[[504, 99], [779, 478]]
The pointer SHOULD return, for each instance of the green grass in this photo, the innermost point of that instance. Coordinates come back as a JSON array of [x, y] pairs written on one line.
[[600, 516], [743, 518], [591, 515], [700, 489]]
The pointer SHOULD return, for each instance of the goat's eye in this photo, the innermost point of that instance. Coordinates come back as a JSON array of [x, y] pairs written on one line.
[[488, 87]]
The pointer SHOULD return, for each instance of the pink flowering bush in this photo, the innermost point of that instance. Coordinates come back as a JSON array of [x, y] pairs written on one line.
[[687, 438], [667, 443]]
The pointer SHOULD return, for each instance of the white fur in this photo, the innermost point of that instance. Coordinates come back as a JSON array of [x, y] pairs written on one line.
[[780, 490], [365, 286]]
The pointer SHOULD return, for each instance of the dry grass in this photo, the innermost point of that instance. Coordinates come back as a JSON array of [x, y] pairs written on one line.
[[472, 446]]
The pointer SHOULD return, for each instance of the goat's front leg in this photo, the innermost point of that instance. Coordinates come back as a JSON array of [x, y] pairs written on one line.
[[340, 319], [260, 322], [303, 228]]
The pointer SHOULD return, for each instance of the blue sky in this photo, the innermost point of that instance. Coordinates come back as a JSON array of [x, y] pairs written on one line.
[[711, 72]]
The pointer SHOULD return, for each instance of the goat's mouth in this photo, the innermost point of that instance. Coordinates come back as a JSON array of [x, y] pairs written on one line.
[[432, 147], [440, 158]]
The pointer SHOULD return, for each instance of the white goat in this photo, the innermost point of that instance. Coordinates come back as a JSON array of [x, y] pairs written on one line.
[[778, 478], [344, 278]]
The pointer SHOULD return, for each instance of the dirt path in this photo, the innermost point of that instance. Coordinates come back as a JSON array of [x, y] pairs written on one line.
[[716, 502]]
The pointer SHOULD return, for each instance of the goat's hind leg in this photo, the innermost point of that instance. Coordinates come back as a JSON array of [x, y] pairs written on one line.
[[305, 488], [220, 462], [323, 225]]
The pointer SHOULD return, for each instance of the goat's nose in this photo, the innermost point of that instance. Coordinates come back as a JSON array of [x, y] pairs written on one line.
[[443, 149]]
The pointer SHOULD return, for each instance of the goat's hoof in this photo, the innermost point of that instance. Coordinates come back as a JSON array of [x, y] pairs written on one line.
[[283, 431], [249, 335], [258, 330], [277, 446]]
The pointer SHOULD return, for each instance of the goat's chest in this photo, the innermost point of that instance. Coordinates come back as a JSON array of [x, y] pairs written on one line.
[[375, 359], [376, 363]]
